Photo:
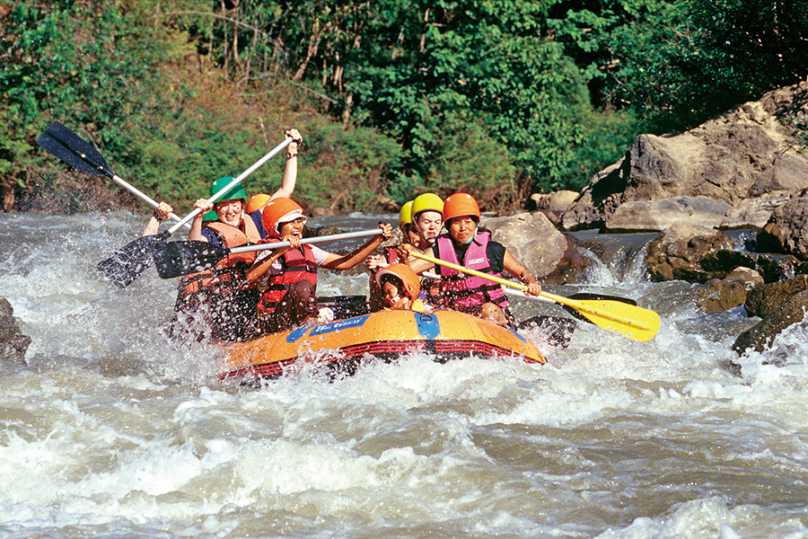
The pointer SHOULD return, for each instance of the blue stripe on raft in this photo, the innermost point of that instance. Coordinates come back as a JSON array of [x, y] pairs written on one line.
[[327, 328], [517, 334], [428, 325]]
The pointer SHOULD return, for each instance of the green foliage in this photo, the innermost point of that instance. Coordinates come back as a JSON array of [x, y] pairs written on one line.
[[681, 62], [394, 97]]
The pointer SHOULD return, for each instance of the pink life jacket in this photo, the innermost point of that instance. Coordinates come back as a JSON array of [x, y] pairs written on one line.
[[468, 291]]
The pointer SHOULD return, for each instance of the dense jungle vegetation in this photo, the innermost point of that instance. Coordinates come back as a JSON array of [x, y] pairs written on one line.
[[394, 97]]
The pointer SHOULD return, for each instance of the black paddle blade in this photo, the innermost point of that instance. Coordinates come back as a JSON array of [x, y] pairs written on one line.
[[131, 260], [70, 148], [177, 258], [586, 296], [555, 330]]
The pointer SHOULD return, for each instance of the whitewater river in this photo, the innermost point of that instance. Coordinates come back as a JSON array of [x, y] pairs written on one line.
[[110, 429]]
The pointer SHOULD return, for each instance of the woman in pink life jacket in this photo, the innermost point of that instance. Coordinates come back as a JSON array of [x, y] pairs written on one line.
[[470, 246]]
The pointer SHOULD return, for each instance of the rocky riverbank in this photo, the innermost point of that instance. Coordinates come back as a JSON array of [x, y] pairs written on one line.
[[745, 169]]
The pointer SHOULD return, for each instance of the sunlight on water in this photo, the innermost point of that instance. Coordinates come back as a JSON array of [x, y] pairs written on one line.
[[114, 429]]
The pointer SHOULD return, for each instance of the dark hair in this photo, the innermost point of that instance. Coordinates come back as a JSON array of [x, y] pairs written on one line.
[[393, 280]]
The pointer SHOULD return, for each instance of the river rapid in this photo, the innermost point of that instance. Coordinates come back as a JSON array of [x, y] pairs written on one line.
[[111, 429]]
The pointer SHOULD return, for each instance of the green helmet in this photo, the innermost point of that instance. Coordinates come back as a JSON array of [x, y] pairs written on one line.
[[236, 192]]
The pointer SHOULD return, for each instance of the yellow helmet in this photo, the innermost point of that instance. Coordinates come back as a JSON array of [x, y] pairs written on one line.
[[426, 202], [405, 215]]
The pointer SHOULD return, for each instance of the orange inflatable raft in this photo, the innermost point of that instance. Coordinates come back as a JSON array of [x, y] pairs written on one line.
[[385, 335]]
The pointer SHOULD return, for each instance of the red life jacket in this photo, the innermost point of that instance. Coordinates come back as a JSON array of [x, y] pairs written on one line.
[[297, 265], [468, 291]]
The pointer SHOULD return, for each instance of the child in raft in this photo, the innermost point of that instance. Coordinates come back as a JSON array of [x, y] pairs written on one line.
[[420, 221], [287, 276], [400, 288], [469, 245]]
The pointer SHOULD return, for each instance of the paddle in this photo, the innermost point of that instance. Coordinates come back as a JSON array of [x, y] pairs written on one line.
[[177, 258], [63, 143], [617, 316], [124, 266]]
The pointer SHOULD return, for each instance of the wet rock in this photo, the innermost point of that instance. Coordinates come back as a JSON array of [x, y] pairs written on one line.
[[535, 242], [678, 253], [13, 344], [718, 296], [787, 229], [760, 336], [766, 299], [771, 267], [748, 277]]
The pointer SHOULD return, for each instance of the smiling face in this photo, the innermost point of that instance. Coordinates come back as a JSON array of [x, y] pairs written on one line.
[[293, 228], [229, 211], [462, 229]]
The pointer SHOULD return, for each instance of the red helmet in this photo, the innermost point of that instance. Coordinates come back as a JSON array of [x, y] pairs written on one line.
[[460, 205], [412, 285], [278, 211]]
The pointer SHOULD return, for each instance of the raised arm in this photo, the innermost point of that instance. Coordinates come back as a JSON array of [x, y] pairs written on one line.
[[162, 213], [195, 234], [290, 170]]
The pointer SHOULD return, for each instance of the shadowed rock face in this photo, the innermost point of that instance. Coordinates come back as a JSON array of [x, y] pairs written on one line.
[[744, 161], [13, 344]]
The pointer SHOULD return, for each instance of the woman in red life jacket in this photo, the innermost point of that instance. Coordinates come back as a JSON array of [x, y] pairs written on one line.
[[470, 246], [288, 275]]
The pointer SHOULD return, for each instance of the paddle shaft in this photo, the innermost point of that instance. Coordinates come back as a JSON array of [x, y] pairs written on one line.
[[137, 192], [232, 184], [578, 305], [315, 239]]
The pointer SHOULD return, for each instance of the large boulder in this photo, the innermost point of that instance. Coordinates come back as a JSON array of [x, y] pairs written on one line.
[[745, 154], [13, 344], [535, 242]]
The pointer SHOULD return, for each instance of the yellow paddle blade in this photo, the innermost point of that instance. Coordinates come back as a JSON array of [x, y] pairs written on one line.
[[632, 321]]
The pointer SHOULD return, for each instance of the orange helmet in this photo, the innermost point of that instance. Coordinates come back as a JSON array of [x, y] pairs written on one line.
[[278, 211], [412, 285], [256, 202], [460, 205]]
